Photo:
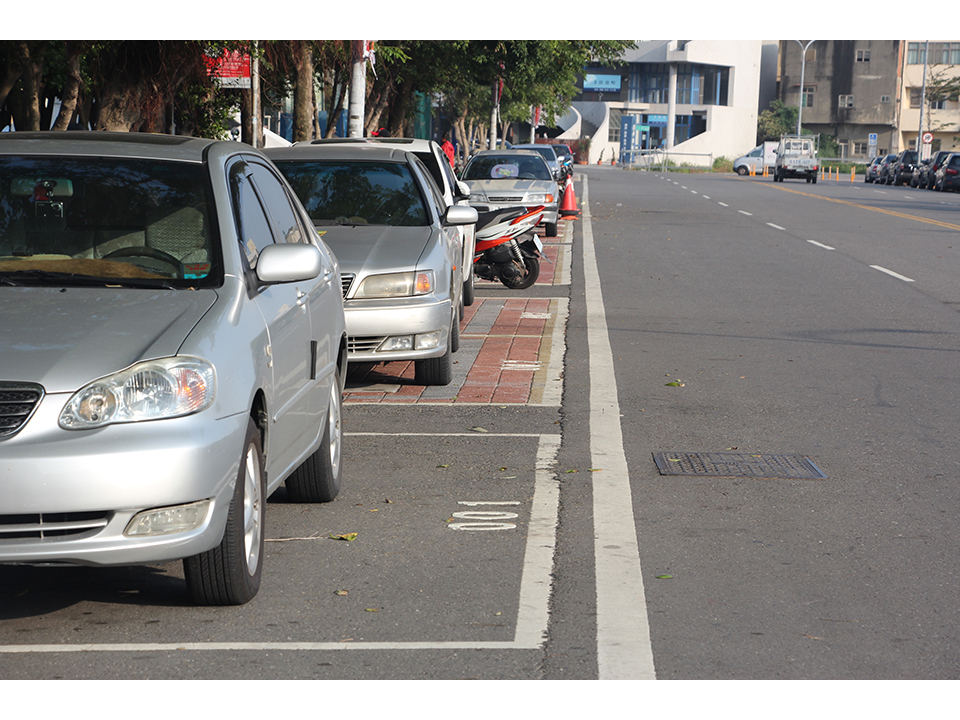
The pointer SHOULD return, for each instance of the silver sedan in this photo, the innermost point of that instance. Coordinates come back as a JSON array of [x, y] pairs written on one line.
[[398, 245], [513, 178], [172, 349]]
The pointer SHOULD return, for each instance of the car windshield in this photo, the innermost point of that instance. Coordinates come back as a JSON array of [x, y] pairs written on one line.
[[507, 167], [910, 156], [104, 221], [356, 192]]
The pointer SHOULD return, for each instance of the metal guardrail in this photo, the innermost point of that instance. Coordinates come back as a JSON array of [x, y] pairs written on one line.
[[663, 160]]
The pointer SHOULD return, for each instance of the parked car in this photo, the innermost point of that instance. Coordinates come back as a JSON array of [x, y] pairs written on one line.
[[398, 245], [172, 349], [947, 177], [548, 154], [565, 158], [883, 171], [926, 176], [901, 169], [920, 172], [511, 179], [873, 169]]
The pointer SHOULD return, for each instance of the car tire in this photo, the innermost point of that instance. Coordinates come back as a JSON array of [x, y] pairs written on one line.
[[742, 170], [469, 291], [437, 370], [455, 333], [229, 574], [317, 480]]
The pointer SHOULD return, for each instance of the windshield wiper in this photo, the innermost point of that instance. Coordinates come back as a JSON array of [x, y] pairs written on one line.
[[48, 278]]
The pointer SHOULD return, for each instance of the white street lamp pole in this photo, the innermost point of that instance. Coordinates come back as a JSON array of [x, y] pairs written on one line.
[[803, 67]]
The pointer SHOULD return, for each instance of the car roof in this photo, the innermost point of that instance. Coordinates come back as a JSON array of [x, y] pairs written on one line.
[[366, 151], [508, 151], [110, 144]]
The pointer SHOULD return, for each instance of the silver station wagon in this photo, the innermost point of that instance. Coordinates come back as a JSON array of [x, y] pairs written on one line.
[[172, 349], [399, 249]]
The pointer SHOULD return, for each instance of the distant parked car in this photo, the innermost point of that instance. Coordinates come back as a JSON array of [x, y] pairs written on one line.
[[921, 170], [901, 169], [873, 169], [172, 350], [884, 175], [548, 153], [927, 176], [399, 249], [511, 179], [947, 177]]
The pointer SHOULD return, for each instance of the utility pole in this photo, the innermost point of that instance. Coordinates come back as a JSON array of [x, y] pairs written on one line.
[[923, 100], [803, 67], [358, 89]]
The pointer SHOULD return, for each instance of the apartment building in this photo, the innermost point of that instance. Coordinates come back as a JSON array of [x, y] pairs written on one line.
[[868, 94]]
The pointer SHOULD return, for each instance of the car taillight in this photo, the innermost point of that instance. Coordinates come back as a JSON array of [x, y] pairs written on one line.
[[949, 171]]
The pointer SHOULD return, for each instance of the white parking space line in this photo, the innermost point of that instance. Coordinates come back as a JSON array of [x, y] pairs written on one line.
[[820, 245], [624, 651], [892, 273], [535, 582]]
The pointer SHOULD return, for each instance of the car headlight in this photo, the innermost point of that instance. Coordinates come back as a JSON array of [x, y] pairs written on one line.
[[146, 391], [538, 198], [478, 197], [405, 284]]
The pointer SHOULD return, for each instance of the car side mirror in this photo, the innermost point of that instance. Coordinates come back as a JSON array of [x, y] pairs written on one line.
[[460, 215], [463, 190], [289, 262]]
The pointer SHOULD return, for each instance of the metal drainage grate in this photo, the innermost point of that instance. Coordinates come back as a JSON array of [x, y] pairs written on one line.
[[738, 465]]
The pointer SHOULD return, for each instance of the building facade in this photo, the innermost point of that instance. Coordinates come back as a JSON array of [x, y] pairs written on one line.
[[694, 98], [868, 93]]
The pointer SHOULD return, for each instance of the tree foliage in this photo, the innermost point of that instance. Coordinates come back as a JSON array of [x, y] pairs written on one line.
[[164, 86]]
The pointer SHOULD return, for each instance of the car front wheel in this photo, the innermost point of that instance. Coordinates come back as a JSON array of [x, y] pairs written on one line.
[[438, 370], [229, 574]]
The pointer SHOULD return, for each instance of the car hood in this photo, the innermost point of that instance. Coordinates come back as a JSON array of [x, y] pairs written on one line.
[[369, 249], [63, 339], [511, 186]]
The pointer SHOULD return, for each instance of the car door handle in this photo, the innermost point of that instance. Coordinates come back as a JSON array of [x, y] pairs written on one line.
[[302, 300]]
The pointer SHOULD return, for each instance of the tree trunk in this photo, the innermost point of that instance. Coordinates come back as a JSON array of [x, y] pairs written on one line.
[[398, 111], [71, 91], [18, 57], [303, 95]]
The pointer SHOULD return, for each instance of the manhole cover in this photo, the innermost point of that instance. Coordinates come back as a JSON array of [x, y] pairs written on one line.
[[738, 465]]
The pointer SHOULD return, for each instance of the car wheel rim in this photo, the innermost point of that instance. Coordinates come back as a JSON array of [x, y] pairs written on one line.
[[333, 421], [252, 510]]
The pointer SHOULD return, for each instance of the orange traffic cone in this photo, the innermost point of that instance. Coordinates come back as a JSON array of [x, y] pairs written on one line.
[[568, 206]]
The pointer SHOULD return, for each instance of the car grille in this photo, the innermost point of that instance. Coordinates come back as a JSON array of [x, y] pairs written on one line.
[[505, 199], [17, 403], [346, 280], [48, 525], [364, 345]]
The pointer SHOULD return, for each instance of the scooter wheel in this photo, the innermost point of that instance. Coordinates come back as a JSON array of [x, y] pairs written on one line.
[[532, 267]]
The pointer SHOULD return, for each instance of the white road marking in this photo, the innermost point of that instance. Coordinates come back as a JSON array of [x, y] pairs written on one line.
[[624, 651], [744, 212], [535, 583], [775, 226], [825, 247], [892, 273], [722, 203]]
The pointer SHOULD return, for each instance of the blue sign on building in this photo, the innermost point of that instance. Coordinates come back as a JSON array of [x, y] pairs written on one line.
[[601, 83]]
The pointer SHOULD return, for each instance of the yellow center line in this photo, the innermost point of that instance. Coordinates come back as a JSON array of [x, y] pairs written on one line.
[[918, 218]]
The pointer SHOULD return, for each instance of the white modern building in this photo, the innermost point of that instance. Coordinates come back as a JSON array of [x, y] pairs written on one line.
[[697, 99]]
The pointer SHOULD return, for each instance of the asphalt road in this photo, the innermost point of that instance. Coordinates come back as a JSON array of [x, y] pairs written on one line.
[[704, 314]]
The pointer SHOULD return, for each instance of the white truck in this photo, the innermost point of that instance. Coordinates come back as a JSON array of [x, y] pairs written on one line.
[[797, 158], [761, 157]]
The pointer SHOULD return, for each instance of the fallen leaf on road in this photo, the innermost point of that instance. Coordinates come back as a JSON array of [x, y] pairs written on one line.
[[345, 536]]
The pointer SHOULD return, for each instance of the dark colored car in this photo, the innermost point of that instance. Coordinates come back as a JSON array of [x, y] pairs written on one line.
[[873, 169], [920, 172], [947, 177], [901, 169], [883, 169], [925, 172]]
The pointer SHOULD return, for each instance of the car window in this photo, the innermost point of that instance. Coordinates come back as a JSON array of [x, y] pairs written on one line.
[[435, 169], [252, 224], [356, 192], [436, 197], [286, 225], [94, 218], [503, 167]]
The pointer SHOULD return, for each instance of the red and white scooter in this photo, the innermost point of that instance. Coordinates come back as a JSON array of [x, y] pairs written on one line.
[[508, 249]]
